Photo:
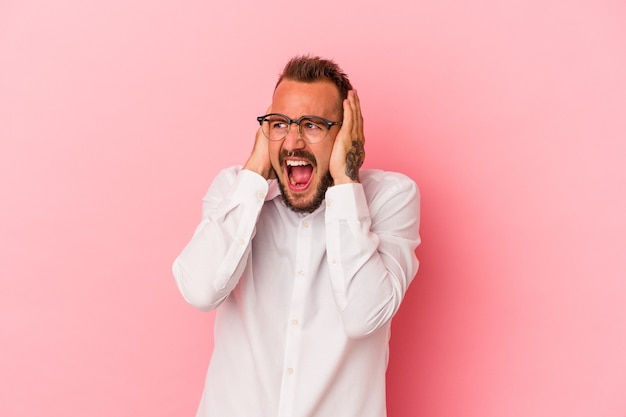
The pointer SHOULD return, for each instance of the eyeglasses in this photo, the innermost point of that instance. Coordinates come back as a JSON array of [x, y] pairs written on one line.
[[313, 129]]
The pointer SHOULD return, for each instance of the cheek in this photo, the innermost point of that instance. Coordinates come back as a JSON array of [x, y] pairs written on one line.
[[323, 157]]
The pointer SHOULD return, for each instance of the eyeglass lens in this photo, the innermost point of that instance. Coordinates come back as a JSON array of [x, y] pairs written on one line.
[[312, 129]]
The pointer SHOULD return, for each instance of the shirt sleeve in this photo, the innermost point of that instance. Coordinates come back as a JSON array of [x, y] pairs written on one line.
[[371, 237], [211, 264]]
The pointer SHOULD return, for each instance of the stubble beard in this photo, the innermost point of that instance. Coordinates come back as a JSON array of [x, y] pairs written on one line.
[[326, 181]]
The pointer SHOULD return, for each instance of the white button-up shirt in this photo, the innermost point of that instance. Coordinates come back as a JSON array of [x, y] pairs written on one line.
[[305, 300]]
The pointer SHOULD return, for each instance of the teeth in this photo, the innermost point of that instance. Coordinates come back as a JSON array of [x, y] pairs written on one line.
[[293, 163]]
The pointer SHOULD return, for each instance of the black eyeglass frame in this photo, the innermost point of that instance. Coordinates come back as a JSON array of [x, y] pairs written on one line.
[[297, 121]]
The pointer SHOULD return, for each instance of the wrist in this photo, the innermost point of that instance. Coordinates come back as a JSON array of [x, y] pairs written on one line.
[[260, 168], [345, 179]]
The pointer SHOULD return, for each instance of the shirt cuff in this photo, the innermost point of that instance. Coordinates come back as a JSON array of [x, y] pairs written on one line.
[[250, 187], [346, 201]]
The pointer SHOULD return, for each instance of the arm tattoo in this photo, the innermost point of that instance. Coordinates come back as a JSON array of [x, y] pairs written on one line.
[[354, 159]]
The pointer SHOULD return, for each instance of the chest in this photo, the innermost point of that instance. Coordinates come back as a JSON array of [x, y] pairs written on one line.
[[287, 271]]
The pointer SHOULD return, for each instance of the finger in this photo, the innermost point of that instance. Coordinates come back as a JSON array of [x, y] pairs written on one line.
[[355, 115], [259, 132], [359, 114], [357, 118], [346, 125]]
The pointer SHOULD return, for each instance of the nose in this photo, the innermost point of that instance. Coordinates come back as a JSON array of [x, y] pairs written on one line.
[[293, 140]]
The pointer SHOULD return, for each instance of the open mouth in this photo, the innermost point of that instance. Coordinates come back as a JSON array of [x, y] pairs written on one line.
[[299, 174]]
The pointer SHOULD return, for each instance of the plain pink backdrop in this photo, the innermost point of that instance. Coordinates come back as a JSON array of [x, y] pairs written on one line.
[[115, 116]]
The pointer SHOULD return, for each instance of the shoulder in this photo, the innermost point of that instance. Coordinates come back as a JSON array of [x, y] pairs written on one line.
[[229, 173], [388, 191], [234, 178], [376, 181], [223, 181], [227, 176]]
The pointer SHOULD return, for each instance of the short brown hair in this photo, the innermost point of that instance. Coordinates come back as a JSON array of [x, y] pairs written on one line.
[[308, 69]]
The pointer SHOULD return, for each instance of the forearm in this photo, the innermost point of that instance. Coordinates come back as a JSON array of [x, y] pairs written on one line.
[[372, 260], [211, 264]]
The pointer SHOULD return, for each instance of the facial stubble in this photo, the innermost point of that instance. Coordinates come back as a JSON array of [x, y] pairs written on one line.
[[326, 181]]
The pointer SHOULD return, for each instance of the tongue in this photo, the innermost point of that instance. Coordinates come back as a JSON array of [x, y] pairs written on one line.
[[301, 174]]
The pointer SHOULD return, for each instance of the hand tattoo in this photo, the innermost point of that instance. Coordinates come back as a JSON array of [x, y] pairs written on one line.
[[354, 159]]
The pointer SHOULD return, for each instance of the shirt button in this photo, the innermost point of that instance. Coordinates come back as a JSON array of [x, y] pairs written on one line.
[[301, 273], [260, 195], [305, 225], [290, 371], [294, 322], [329, 203], [242, 241], [333, 261]]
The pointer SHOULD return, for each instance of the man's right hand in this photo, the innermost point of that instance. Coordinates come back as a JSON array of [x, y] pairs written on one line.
[[259, 160]]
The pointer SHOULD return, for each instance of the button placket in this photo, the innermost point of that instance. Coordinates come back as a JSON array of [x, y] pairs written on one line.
[[294, 319]]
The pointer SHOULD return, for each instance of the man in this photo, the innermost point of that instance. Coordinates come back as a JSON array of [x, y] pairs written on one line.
[[306, 258]]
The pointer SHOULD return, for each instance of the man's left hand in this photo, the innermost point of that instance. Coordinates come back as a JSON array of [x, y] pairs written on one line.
[[348, 151]]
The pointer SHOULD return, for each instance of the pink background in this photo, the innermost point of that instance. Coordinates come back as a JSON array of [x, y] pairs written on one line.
[[115, 115]]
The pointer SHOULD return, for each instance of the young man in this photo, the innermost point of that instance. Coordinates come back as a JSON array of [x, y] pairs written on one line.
[[306, 258]]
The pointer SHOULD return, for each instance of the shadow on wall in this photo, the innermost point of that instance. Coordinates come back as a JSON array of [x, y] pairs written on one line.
[[419, 345], [408, 346]]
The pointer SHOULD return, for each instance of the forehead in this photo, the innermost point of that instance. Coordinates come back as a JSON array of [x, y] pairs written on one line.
[[295, 99]]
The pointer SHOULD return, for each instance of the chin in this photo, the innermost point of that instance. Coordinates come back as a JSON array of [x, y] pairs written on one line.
[[309, 201]]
